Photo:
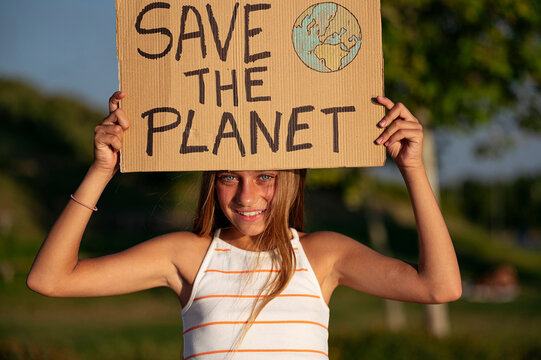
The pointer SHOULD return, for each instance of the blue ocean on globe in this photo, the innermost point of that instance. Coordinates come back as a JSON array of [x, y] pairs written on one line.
[[326, 37]]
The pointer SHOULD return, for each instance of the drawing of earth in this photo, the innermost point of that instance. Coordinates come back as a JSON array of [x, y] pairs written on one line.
[[326, 37]]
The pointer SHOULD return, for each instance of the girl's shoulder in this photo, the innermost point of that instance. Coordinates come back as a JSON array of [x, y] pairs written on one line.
[[186, 251], [327, 247], [322, 246], [185, 241], [322, 240], [322, 250]]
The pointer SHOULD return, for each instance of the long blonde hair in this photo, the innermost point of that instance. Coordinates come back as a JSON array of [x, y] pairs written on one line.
[[286, 210]]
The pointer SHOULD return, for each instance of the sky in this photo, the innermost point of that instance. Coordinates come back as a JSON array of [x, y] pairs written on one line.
[[69, 47], [61, 46]]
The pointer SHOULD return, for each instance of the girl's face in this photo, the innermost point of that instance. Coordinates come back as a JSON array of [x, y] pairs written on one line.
[[245, 198]]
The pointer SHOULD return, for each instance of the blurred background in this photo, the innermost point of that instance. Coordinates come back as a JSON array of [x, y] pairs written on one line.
[[469, 70]]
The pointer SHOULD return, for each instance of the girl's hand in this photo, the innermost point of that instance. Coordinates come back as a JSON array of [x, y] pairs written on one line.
[[403, 136], [108, 137]]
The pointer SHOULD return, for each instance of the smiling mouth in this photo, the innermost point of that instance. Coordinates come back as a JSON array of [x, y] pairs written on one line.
[[250, 213]]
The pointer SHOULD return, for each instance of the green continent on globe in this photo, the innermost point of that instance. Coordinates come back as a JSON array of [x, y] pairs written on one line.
[[326, 37], [331, 54], [344, 24]]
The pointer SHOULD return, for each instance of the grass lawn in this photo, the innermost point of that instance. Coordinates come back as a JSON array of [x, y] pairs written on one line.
[[147, 325]]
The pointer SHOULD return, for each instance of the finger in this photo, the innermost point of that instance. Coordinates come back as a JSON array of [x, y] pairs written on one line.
[[109, 130], [412, 135], [109, 119], [122, 119], [398, 111], [109, 140], [115, 142], [397, 125], [385, 102], [114, 100], [117, 117]]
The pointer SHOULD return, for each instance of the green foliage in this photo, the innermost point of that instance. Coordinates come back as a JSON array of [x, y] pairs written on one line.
[[511, 211], [478, 249], [147, 325], [498, 205], [33, 123], [373, 346], [462, 61], [14, 350], [385, 346], [46, 145]]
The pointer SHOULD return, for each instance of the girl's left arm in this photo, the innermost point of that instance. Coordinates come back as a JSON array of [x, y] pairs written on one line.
[[436, 278]]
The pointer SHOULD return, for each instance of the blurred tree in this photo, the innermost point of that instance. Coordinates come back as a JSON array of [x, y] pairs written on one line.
[[46, 145], [457, 63]]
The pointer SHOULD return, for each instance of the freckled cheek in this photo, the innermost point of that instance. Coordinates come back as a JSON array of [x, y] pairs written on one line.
[[269, 193], [224, 196]]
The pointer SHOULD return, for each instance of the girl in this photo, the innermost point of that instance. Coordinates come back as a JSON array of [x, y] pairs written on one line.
[[252, 285]]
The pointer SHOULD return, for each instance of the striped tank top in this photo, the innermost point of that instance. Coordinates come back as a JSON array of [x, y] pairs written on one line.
[[293, 326]]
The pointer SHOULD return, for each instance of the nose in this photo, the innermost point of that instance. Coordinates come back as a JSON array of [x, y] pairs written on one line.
[[246, 193]]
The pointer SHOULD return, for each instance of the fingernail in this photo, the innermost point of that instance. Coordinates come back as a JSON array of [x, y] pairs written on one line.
[[386, 143], [379, 140], [382, 123]]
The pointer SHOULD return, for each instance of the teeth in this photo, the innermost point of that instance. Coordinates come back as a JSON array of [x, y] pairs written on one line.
[[250, 213]]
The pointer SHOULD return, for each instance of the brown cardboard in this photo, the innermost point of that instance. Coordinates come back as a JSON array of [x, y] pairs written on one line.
[[326, 116]]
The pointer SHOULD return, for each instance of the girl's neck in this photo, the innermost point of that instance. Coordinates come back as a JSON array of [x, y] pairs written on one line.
[[240, 240], [243, 241]]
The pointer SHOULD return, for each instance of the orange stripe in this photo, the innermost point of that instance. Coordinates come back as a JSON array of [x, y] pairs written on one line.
[[255, 322], [256, 350], [247, 271], [254, 296], [230, 249]]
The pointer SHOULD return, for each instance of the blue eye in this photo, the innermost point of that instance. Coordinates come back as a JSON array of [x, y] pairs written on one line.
[[227, 178], [266, 177]]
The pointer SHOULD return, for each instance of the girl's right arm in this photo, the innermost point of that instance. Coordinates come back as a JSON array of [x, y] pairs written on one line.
[[57, 270]]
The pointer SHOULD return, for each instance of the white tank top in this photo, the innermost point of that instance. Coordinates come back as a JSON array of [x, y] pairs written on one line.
[[293, 326]]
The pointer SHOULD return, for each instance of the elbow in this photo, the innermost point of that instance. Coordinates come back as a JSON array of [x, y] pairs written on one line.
[[446, 294], [35, 284], [40, 285]]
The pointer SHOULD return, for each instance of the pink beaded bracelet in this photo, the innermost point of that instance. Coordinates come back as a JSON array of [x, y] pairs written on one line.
[[80, 203]]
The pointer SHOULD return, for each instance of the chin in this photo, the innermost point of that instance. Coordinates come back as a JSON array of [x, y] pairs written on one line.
[[246, 226], [251, 229]]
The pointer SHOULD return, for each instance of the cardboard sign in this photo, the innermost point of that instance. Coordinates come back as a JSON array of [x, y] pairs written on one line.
[[250, 85]]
